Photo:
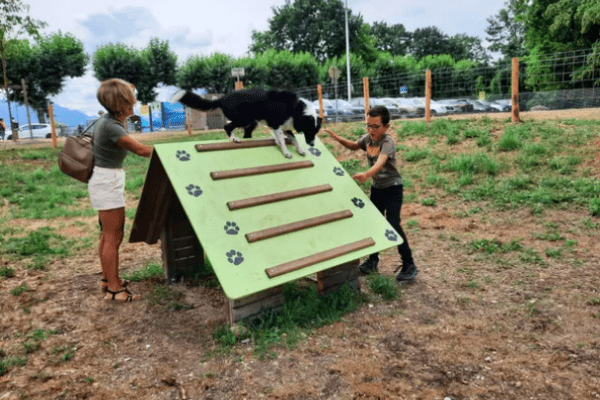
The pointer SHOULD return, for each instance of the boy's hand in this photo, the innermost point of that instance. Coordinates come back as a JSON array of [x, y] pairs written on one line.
[[361, 177], [330, 132]]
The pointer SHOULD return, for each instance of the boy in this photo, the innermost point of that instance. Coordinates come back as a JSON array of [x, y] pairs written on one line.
[[386, 190]]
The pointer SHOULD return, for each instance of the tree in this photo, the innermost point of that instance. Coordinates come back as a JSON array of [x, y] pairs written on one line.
[[465, 47], [146, 68], [505, 33], [313, 26], [45, 67], [212, 73], [394, 39], [428, 41], [13, 24]]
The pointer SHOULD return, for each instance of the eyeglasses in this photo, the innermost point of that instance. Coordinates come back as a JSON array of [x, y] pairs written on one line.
[[369, 126]]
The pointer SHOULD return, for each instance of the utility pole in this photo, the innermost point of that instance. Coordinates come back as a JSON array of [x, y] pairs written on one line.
[[348, 54], [24, 85]]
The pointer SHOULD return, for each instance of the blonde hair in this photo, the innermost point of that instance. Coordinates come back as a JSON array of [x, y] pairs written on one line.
[[116, 95]]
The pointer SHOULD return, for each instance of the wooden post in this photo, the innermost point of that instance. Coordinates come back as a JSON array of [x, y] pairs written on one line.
[[239, 85], [24, 85], [428, 95], [366, 95], [515, 90], [188, 121], [320, 94], [52, 125]]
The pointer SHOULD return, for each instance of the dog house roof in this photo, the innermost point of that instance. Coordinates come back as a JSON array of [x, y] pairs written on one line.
[[262, 220]]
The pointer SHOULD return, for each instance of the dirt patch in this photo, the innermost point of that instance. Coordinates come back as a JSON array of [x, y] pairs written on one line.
[[473, 325]]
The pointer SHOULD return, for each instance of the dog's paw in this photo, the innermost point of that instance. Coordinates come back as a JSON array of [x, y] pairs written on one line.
[[231, 228], [235, 139], [301, 152], [287, 154], [234, 257]]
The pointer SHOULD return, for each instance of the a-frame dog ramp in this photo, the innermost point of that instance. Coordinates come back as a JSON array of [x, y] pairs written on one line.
[[263, 220]]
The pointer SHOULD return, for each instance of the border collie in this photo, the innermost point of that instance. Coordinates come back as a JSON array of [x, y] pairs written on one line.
[[280, 110]]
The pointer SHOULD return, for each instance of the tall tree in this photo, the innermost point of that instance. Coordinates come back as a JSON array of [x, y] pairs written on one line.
[[45, 66], [394, 39], [316, 27], [506, 33], [428, 41], [146, 69], [14, 22], [464, 47]]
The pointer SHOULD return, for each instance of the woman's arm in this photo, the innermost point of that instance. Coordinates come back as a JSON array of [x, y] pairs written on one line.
[[129, 143]]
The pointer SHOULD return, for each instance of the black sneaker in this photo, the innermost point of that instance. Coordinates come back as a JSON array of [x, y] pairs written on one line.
[[368, 266], [407, 273]]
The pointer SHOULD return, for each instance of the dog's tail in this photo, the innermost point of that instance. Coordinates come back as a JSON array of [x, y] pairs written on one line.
[[192, 100]]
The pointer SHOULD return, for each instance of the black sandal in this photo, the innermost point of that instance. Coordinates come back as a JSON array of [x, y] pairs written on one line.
[[129, 297], [124, 283]]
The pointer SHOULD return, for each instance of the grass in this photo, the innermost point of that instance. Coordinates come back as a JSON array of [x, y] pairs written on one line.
[[303, 310]]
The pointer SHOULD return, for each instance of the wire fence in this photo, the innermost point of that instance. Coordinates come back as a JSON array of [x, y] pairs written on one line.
[[567, 80]]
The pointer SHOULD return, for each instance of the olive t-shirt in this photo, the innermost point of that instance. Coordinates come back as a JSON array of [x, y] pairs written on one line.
[[107, 132], [388, 175]]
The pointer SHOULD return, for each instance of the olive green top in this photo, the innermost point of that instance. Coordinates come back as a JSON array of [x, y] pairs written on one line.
[[107, 132]]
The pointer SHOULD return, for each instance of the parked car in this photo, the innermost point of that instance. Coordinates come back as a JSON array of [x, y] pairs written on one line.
[[407, 108], [374, 101], [38, 131], [434, 107], [459, 104], [497, 106], [479, 106], [329, 107], [349, 112]]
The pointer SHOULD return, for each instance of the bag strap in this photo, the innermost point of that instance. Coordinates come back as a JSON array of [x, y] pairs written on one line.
[[85, 131]]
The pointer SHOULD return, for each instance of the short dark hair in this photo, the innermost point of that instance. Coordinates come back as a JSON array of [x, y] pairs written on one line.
[[380, 111]]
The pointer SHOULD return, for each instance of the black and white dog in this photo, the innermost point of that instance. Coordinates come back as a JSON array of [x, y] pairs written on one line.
[[280, 110]]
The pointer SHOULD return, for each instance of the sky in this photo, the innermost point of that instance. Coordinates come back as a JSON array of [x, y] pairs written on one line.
[[202, 27]]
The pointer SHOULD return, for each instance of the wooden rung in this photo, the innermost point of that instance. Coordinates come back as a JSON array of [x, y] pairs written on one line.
[[274, 197], [319, 257], [235, 173], [244, 144], [296, 226]]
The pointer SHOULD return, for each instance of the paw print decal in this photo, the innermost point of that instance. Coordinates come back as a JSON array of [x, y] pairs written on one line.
[[234, 257], [391, 235], [314, 151], [338, 171], [231, 228], [194, 190], [358, 202], [182, 155]]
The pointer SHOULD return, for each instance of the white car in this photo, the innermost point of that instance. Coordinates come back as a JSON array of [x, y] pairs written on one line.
[[38, 131]]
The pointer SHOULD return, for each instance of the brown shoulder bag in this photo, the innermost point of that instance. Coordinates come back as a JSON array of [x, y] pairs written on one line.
[[77, 157]]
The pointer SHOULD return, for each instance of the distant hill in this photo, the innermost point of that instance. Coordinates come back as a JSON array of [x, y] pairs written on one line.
[[61, 114]]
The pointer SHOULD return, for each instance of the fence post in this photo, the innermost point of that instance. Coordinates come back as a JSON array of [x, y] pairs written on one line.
[[320, 94], [515, 90], [428, 95], [366, 95], [188, 121], [52, 125], [239, 85]]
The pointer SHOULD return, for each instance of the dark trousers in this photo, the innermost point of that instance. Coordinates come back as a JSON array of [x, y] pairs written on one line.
[[389, 202]]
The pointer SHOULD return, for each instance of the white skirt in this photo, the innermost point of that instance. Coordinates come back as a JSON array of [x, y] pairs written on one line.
[[107, 188]]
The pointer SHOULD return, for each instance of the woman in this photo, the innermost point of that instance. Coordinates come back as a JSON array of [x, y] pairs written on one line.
[[107, 184]]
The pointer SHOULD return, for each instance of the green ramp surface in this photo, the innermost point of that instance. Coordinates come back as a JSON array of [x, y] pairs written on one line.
[[243, 267]]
